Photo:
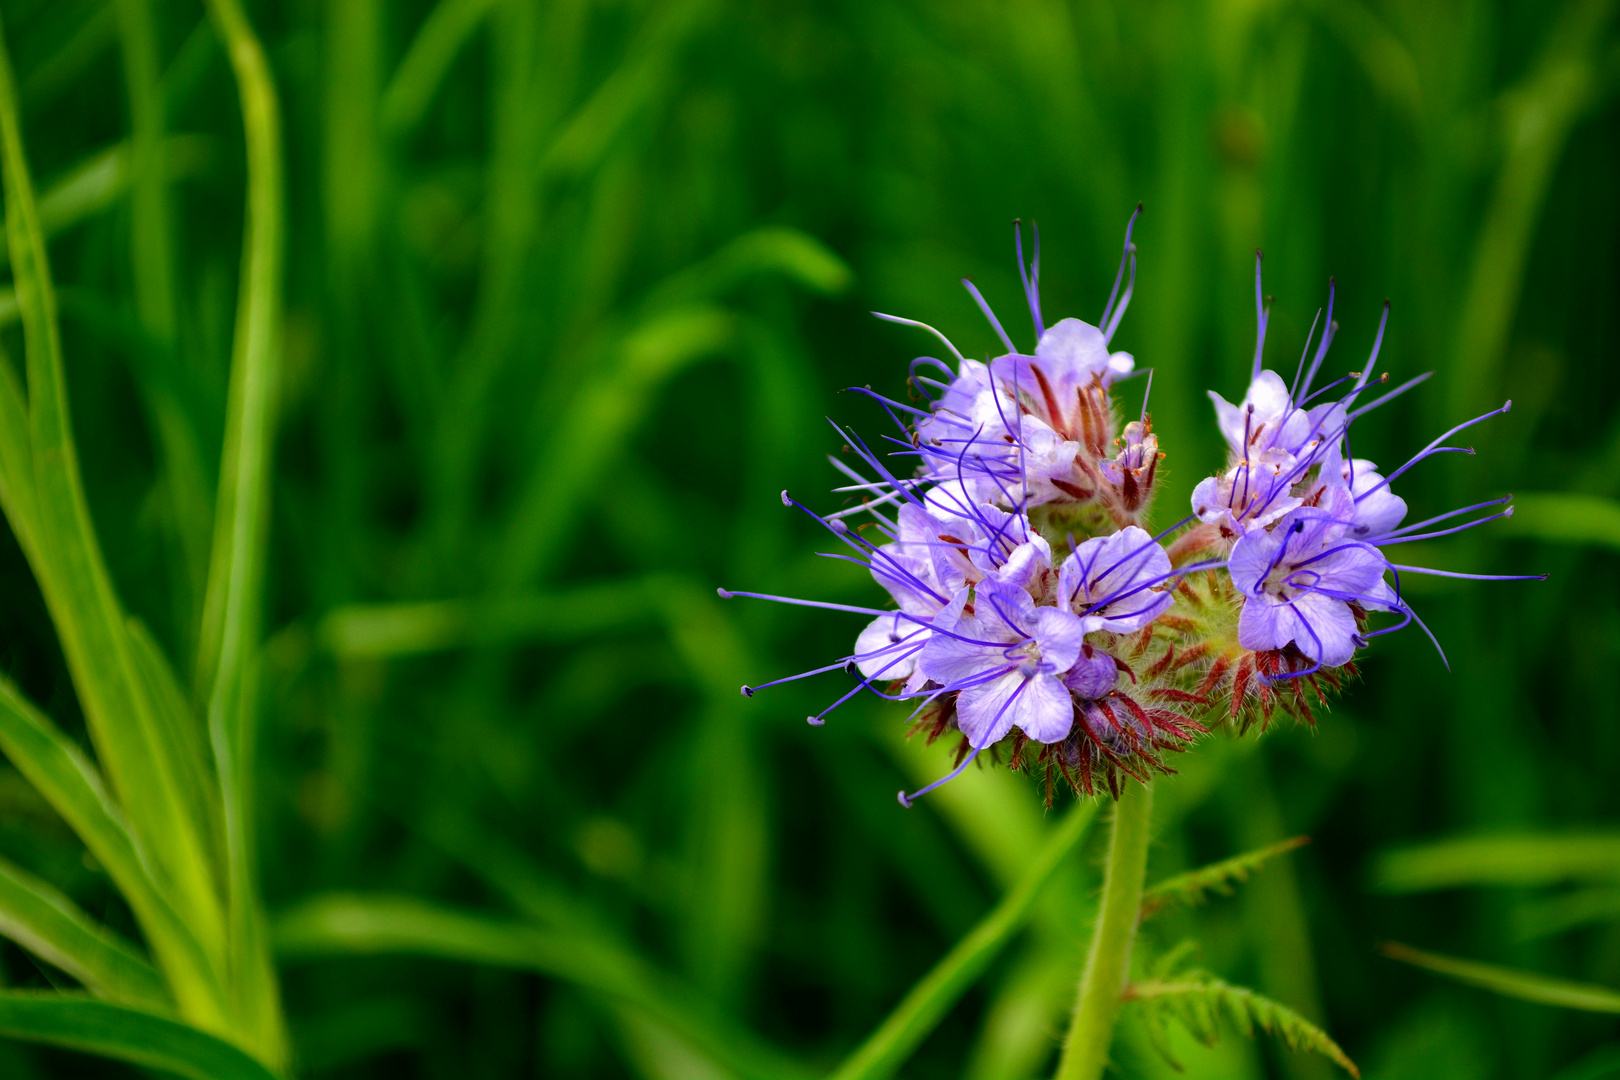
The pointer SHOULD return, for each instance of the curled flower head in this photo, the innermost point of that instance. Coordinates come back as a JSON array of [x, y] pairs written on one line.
[[1099, 667]]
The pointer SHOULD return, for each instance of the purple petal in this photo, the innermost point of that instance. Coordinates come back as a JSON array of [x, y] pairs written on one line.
[[881, 650], [1059, 634], [1092, 676], [1038, 705]]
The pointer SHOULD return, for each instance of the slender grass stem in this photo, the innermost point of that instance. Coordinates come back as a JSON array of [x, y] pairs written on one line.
[[887, 1048], [1102, 986], [228, 661]]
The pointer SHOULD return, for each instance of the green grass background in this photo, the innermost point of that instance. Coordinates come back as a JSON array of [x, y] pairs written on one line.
[[568, 290]]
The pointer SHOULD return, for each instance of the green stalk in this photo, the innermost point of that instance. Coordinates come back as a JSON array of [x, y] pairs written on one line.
[[228, 654], [1102, 987], [887, 1048]]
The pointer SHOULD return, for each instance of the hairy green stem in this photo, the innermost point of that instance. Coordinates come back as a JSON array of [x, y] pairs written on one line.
[[1102, 986]]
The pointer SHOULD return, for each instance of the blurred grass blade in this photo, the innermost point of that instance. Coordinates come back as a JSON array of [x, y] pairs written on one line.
[[727, 843], [228, 661], [76, 1022], [66, 65], [642, 79], [656, 1052], [58, 771], [922, 1009], [1538, 116], [100, 180], [1537, 919], [1195, 885], [1565, 517], [74, 577], [358, 631], [348, 925], [1031, 1003], [1384, 58], [183, 735], [49, 925], [595, 425], [1525, 985], [151, 235], [793, 254], [449, 26], [152, 165], [990, 809], [1601, 1064], [17, 496], [1498, 860]]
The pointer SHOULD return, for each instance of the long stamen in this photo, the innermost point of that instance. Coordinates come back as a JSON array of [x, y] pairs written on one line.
[[1469, 577], [1299, 371], [1119, 275], [1434, 447], [1124, 300], [856, 541], [922, 326], [1031, 277], [1335, 384], [1432, 639], [1143, 586], [1392, 395], [1378, 343], [1282, 550], [1261, 314], [1327, 340], [727, 594], [887, 403], [1446, 532], [907, 800], [1140, 548], [995, 322], [1449, 514]]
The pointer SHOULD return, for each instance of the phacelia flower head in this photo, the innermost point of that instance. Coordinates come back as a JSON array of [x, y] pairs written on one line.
[[1099, 662]]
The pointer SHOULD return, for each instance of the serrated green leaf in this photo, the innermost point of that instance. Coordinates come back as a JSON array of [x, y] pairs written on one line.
[[349, 925], [1525, 985], [1200, 1001], [49, 925], [79, 1022], [1195, 885], [1543, 859]]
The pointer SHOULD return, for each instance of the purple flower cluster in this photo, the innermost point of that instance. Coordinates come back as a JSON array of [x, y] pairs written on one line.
[[1029, 604]]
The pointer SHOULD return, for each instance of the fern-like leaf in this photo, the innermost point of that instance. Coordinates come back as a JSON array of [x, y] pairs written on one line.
[[1193, 886], [1199, 1000]]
